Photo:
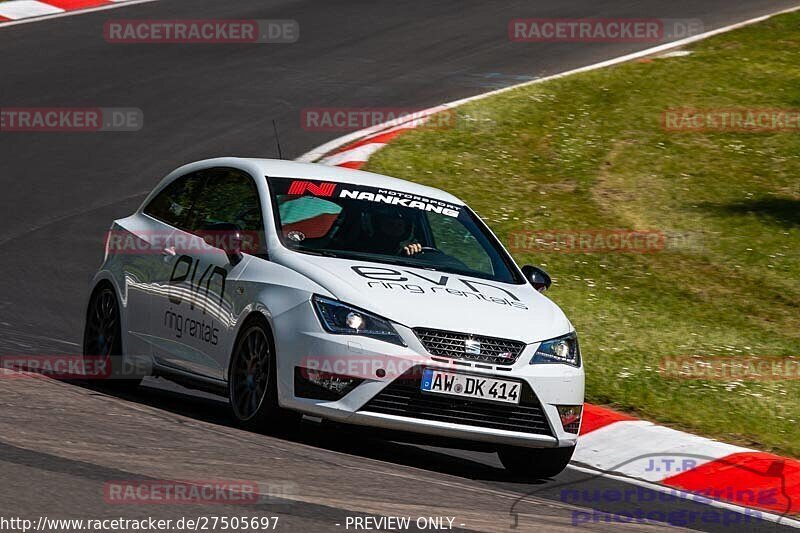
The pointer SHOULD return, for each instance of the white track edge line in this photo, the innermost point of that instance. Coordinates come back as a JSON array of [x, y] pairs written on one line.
[[74, 12], [322, 150]]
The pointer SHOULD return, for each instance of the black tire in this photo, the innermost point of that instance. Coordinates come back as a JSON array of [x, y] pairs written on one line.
[[535, 463], [253, 380], [102, 340]]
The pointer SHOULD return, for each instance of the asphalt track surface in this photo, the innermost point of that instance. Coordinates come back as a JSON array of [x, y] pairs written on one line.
[[60, 443]]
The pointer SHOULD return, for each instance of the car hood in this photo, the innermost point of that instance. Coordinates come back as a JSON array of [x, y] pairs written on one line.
[[417, 297]]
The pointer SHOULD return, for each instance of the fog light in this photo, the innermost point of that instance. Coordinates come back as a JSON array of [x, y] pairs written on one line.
[[316, 385], [332, 382], [570, 417]]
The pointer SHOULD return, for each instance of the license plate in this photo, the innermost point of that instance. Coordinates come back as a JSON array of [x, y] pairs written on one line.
[[464, 385]]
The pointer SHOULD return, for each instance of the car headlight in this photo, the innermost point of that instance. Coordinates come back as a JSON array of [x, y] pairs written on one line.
[[559, 350], [340, 318]]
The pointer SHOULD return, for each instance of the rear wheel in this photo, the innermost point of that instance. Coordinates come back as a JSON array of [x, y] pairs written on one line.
[[102, 340], [535, 463], [252, 380]]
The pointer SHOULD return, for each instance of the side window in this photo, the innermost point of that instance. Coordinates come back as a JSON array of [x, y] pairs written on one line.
[[228, 196], [172, 205]]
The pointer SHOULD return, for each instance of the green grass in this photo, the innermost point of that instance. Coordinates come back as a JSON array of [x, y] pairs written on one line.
[[588, 152]]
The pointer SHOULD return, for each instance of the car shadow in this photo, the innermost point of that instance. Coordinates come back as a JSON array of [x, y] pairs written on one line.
[[353, 440]]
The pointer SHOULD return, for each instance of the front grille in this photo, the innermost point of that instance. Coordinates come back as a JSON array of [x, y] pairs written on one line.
[[454, 345], [403, 397]]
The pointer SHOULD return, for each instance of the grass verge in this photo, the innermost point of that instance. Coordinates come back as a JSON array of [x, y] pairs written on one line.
[[588, 153]]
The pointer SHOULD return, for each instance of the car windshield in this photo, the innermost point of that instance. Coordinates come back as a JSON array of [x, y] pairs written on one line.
[[381, 225]]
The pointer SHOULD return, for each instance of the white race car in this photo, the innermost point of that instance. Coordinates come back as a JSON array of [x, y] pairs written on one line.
[[344, 295]]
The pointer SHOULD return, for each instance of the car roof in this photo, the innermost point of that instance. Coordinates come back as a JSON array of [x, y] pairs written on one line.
[[313, 171]]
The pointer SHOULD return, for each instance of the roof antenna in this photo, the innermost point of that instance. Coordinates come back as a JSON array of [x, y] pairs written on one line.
[[277, 139]]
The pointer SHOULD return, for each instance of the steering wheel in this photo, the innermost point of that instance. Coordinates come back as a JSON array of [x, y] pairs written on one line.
[[441, 258], [430, 250], [424, 250]]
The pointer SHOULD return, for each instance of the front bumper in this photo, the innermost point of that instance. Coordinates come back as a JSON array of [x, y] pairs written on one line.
[[382, 367]]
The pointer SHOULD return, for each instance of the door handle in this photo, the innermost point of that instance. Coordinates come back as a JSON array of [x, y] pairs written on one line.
[[169, 251]]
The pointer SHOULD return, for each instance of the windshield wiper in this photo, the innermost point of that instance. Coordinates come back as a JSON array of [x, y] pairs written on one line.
[[398, 261], [323, 253], [359, 256]]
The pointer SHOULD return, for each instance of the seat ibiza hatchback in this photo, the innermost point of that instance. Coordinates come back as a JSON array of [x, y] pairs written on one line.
[[345, 295]]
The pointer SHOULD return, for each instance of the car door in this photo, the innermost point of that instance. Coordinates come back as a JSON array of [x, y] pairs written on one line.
[[195, 309], [146, 260]]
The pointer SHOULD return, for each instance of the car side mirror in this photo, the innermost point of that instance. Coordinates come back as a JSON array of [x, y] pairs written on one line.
[[537, 277], [232, 246], [227, 237]]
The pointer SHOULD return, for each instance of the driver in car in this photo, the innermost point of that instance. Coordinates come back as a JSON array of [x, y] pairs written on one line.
[[389, 230]]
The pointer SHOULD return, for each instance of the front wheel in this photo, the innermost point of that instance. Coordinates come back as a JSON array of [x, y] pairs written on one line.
[[252, 380], [102, 341], [535, 463]]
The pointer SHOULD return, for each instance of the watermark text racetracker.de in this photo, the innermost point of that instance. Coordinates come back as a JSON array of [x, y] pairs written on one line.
[[63, 366], [602, 30], [731, 119], [602, 241], [196, 491], [73, 367], [208, 31], [356, 118], [202, 242], [70, 119], [731, 368], [375, 366]]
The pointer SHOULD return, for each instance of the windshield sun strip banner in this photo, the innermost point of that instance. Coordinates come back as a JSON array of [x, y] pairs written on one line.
[[349, 191]]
